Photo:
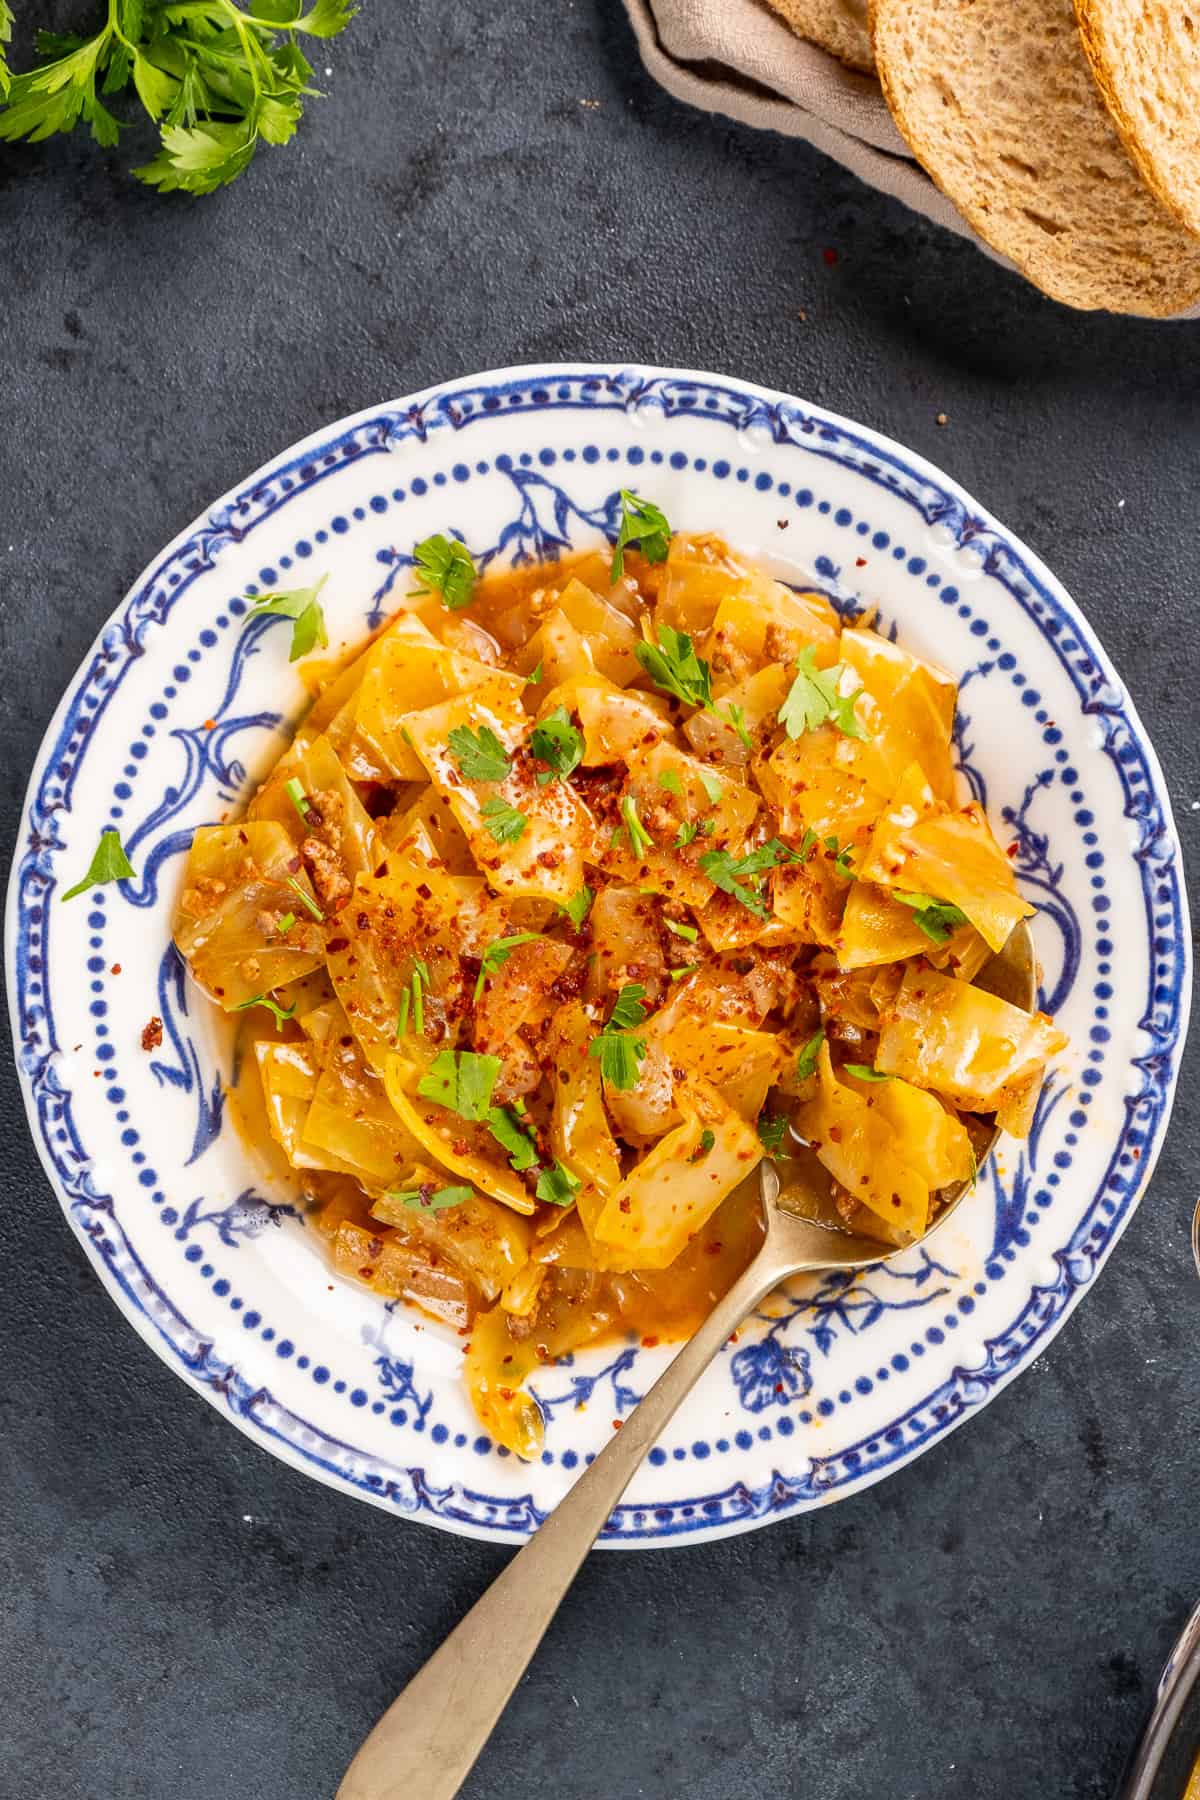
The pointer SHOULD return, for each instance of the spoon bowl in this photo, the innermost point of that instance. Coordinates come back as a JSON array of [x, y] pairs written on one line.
[[429, 1739]]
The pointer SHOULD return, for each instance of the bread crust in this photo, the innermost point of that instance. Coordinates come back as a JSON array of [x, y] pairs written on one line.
[[838, 26], [1094, 17], [1010, 126]]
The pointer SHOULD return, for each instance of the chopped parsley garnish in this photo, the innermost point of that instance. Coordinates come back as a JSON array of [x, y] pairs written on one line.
[[284, 925], [644, 525], [479, 754], [737, 718], [280, 1014], [442, 565], [725, 870], [707, 1140], [669, 780], [639, 838], [305, 899], [535, 679], [684, 969], [298, 798], [864, 1072], [506, 823], [557, 1186], [688, 932], [555, 741], [711, 786], [770, 1133], [806, 1062], [431, 1199], [675, 668], [302, 607], [412, 1000], [619, 1054], [936, 918], [461, 1081], [808, 844], [109, 863], [579, 906], [841, 859], [689, 831], [497, 954], [815, 696], [506, 1127]]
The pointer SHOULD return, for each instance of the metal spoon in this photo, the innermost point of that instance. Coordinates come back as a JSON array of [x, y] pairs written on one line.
[[427, 1742]]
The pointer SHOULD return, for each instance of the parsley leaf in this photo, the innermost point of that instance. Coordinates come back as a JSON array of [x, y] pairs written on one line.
[[579, 906], [841, 859], [643, 524], [936, 918], [497, 954], [639, 838], [806, 1062], [711, 786], [556, 742], [675, 668], [724, 871], [815, 696], [505, 1126], [442, 565], [505, 822], [217, 79], [110, 863], [770, 1133], [736, 717], [864, 1072], [707, 1141], [619, 1054], [302, 607], [557, 1186], [461, 1081], [535, 680], [479, 754], [688, 932], [431, 1199], [669, 780], [280, 1014]]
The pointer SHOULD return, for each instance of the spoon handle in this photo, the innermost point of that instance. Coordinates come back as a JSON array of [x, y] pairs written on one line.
[[427, 1742]]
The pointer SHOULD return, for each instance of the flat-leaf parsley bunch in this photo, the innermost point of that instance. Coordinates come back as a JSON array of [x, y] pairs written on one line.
[[217, 79]]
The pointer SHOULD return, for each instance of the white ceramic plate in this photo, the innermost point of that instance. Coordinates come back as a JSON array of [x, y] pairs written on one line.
[[179, 707]]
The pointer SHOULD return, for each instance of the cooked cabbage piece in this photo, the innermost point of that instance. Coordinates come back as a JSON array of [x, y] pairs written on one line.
[[238, 891], [977, 1050]]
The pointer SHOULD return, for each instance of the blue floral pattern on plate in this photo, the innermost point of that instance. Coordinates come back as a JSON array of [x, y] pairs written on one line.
[[180, 705]]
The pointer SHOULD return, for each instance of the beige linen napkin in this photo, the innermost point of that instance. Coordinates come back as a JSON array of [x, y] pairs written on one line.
[[737, 57]]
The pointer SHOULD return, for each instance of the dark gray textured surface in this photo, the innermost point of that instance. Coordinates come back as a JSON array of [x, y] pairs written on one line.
[[181, 1618]]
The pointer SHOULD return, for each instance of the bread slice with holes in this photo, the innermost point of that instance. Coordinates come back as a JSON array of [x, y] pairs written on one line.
[[839, 26], [1145, 57], [997, 102]]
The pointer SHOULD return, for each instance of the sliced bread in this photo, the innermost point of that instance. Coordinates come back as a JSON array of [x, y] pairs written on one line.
[[997, 102], [1146, 61], [839, 26]]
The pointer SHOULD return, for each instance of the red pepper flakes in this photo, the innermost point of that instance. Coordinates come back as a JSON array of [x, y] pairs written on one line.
[[617, 1424], [860, 562], [829, 258], [116, 969], [210, 724]]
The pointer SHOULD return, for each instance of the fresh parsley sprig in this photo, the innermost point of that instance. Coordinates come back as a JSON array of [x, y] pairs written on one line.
[[217, 81], [806, 1061], [726, 871], [557, 1186], [579, 906], [479, 754], [443, 565], [619, 1053], [675, 669], [556, 742], [506, 823], [431, 1199], [936, 918], [461, 1081], [109, 863], [497, 954], [300, 605], [642, 524], [815, 696], [280, 1014]]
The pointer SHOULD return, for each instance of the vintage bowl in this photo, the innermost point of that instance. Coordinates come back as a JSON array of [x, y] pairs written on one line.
[[179, 706]]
